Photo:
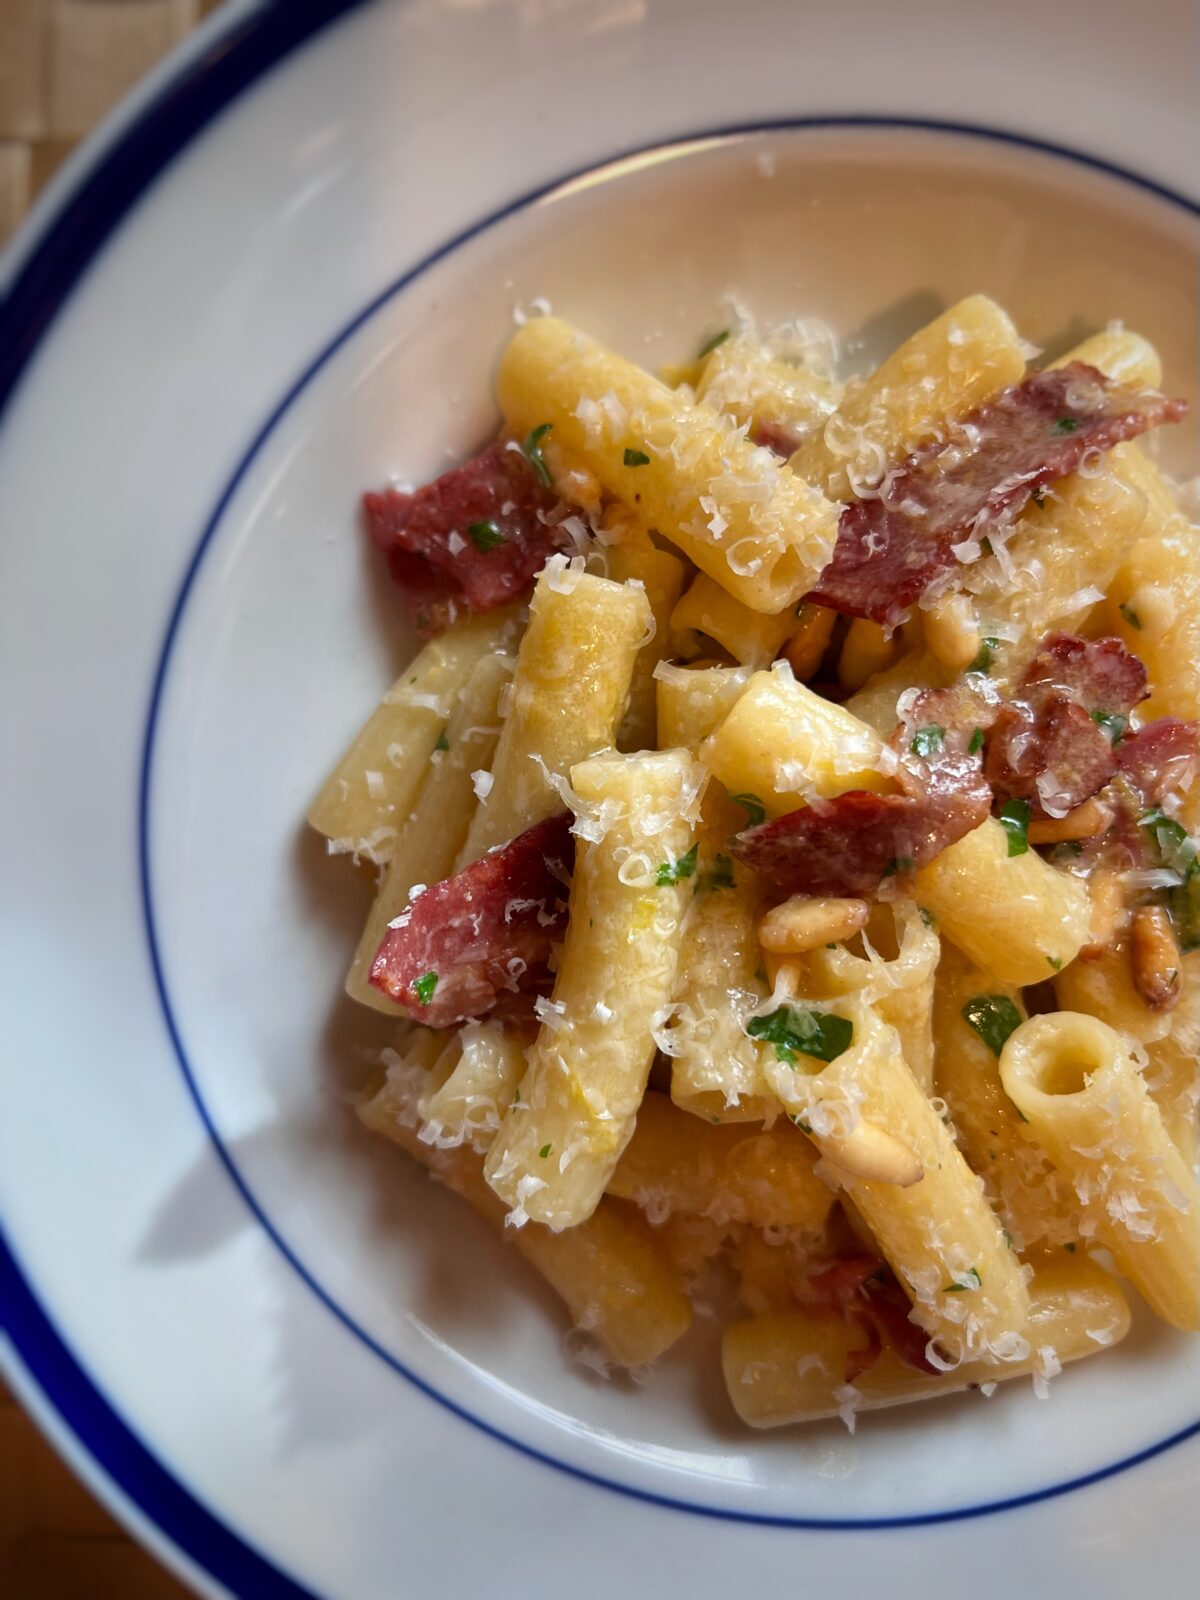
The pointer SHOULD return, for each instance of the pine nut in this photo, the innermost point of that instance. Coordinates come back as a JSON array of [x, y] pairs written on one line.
[[1106, 891], [801, 924], [1087, 820], [804, 649], [952, 632], [868, 1152], [1157, 964]]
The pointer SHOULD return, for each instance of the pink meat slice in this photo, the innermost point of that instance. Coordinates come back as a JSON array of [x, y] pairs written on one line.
[[1047, 746], [855, 842], [435, 558], [890, 548], [470, 943], [1160, 758]]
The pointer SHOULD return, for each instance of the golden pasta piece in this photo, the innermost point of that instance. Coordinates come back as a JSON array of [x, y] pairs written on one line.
[[731, 1174], [1173, 1064], [1121, 355], [790, 1367], [750, 637], [732, 508], [940, 1236], [867, 649], [801, 923], [952, 632], [1014, 915], [662, 576], [693, 701], [558, 1148], [365, 803], [569, 694], [614, 1281], [743, 381], [1073, 1080], [810, 638], [466, 1107], [958, 361]]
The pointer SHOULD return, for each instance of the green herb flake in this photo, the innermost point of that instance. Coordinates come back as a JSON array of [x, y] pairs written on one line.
[[1039, 498], [676, 871], [1069, 1247], [442, 742], [927, 916], [1055, 963], [532, 451], [1066, 425], [1020, 1114], [755, 811], [544, 1151], [486, 535], [987, 650], [794, 1031], [1008, 1239], [974, 1282], [898, 864], [1014, 819], [636, 458], [803, 1124], [718, 876], [976, 744], [1113, 725], [1130, 615], [424, 987], [928, 741], [716, 340], [516, 1099], [994, 1017]]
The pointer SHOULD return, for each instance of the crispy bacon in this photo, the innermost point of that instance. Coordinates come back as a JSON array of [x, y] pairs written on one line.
[[467, 944], [440, 564], [863, 1291], [1050, 745], [777, 437], [1161, 757], [890, 548], [855, 842]]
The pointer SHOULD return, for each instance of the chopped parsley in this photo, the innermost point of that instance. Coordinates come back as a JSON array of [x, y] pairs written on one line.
[[928, 741], [994, 1017], [1069, 1247], [1055, 963], [544, 1151], [974, 1281], [755, 811], [442, 742], [1113, 725], [987, 649], [1014, 819], [898, 864], [1130, 615], [718, 876], [636, 458], [1039, 498], [1177, 851], [486, 535], [927, 916], [803, 1124], [1066, 424], [976, 744], [516, 1099], [794, 1031], [532, 450], [717, 339], [424, 987], [676, 871], [1008, 1239]]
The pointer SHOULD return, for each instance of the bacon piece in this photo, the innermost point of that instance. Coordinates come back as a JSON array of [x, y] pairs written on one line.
[[1161, 757], [863, 1290], [776, 437], [484, 934], [890, 548], [432, 555], [1048, 747], [854, 842]]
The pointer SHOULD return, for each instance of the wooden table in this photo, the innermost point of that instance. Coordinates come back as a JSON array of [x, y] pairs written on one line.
[[63, 64]]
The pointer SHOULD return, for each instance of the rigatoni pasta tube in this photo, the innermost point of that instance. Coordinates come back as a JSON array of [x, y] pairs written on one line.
[[1014, 915], [1173, 1065], [435, 830], [875, 702], [693, 701], [1035, 1203], [365, 802], [781, 741], [467, 1107], [1120, 354], [1073, 1080], [745, 382], [676, 1162], [731, 507], [790, 1366], [946, 369], [750, 637], [940, 1236], [558, 1148], [614, 1281], [661, 575], [569, 694]]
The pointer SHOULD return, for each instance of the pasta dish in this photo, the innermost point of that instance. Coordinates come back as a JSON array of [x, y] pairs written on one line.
[[787, 857]]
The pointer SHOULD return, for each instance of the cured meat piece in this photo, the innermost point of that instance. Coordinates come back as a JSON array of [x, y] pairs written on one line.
[[474, 940], [864, 1290], [1161, 757], [778, 438], [1054, 745], [474, 538], [890, 548], [852, 844], [1101, 674]]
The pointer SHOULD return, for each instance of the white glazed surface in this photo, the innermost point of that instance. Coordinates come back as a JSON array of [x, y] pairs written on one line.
[[296, 209]]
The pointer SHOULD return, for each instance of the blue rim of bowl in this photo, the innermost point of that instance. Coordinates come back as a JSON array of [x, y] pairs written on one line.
[[200, 90]]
